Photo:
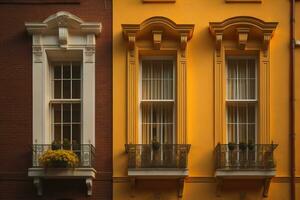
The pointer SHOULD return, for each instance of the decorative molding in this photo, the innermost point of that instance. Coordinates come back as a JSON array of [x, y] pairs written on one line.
[[246, 28], [37, 182], [156, 30], [180, 188], [159, 1], [242, 37], [157, 35], [243, 1], [266, 186], [89, 186]]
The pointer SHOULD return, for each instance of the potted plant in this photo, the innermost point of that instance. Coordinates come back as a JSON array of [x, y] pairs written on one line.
[[231, 146], [58, 159], [155, 145], [243, 146], [251, 146]]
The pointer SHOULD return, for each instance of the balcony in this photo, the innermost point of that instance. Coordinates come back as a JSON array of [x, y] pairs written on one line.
[[161, 160], [82, 170], [245, 161]]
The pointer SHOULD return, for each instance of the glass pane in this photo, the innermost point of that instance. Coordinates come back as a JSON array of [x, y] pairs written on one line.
[[242, 70], [251, 114], [76, 72], [242, 89], [251, 133], [67, 132], [66, 89], [57, 72], [76, 88], [251, 68], [57, 113], [57, 133], [231, 69], [66, 71], [76, 112], [57, 89], [242, 133], [67, 113], [76, 134]]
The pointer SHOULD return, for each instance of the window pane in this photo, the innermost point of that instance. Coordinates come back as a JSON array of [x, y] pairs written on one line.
[[57, 89], [67, 113], [76, 88], [66, 71], [57, 132], [67, 132], [157, 80], [157, 123], [76, 133], [57, 72], [57, 113], [76, 112], [66, 89], [76, 73]]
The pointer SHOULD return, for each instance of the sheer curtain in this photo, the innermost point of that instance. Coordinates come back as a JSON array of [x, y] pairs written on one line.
[[241, 100], [157, 101]]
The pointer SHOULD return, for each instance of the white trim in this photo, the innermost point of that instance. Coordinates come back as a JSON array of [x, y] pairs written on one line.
[[245, 173], [50, 43], [158, 172]]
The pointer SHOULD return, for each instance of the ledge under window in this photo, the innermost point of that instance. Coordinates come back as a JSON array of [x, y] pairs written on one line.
[[243, 1], [158, 1]]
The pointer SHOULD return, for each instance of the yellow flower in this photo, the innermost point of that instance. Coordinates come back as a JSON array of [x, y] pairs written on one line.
[[59, 158]]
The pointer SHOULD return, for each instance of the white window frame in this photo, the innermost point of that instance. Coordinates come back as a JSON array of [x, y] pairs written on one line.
[[53, 40], [159, 58]]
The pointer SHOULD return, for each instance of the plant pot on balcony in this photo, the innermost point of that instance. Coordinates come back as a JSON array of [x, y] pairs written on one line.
[[231, 146], [155, 145], [58, 159], [242, 146]]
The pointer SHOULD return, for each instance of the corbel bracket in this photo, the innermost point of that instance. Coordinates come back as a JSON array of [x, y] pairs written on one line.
[[131, 41], [157, 37], [63, 37], [297, 43], [180, 188], [219, 187], [37, 182], [183, 41], [89, 186], [219, 38], [266, 185], [266, 40], [132, 187], [242, 37]]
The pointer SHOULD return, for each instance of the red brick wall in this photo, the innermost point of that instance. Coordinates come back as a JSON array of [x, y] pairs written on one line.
[[16, 100]]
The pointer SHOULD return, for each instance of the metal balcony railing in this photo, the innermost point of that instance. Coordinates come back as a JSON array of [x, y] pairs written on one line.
[[85, 153], [160, 156], [245, 156]]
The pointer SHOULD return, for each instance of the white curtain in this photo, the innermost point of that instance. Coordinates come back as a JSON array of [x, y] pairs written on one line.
[[241, 97], [157, 101]]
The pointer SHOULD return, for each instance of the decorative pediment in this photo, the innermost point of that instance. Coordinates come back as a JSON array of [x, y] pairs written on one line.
[[243, 29], [157, 29], [63, 23]]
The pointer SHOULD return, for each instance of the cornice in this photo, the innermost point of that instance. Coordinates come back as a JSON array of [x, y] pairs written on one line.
[[158, 23], [242, 21], [63, 19]]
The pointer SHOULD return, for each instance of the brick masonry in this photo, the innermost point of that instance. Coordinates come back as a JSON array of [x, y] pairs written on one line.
[[16, 99]]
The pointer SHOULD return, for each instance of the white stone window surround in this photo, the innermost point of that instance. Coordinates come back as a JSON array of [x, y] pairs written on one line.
[[62, 37]]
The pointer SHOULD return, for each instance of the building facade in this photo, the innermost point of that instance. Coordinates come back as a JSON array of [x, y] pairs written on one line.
[[202, 100], [56, 78]]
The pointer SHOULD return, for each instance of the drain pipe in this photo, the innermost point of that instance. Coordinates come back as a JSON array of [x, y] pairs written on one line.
[[292, 99]]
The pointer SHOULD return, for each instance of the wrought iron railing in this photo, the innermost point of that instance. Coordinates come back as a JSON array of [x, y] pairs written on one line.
[[245, 156], [158, 156], [85, 153]]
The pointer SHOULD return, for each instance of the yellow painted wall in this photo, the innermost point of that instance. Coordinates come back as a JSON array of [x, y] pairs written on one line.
[[200, 102], [297, 93]]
